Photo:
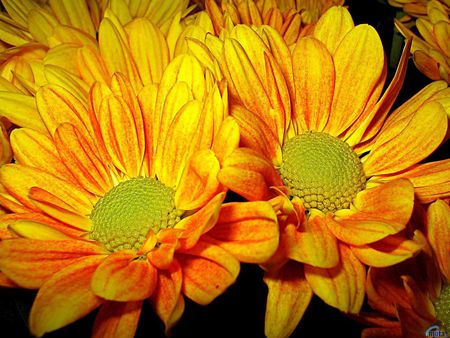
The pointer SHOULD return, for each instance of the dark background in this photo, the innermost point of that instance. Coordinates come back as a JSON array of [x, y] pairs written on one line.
[[239, 312]]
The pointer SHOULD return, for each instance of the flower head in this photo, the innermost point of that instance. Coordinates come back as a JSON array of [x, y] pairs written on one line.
[[317, 134], [431, 52], [413, 297], [116, 200]]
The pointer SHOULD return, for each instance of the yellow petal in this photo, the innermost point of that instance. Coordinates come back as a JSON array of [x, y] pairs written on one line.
[[117, 319], [438, 231], [289, 296]]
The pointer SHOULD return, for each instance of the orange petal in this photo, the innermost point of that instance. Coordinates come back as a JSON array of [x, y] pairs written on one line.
[[57, 105], [249, 174], [419, 299], [289, 296], [199, 182], [407, 142], [227, 139], [341, 286], [385, 289], [314, 83], [438, 232], [256, 134], [117, 320], [359, 61], [316, 246], [5, 282], [121, 135], [208, 271], [34, 149], [30, 262], [123, 277], [389, 251], [65, 298], [332, 26], [167, 299], [249, 231], [379, 332], [194, 226]]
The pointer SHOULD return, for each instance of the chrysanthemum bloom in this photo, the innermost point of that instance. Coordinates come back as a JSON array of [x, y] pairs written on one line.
[[431, 50], [291, 18], [417, 8], [63, 33], [414, 296], [118, 202], [317, 132]]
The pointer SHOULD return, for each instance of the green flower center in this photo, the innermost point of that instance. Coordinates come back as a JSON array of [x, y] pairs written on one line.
[[124, 216], [442, 306], [323, 171]]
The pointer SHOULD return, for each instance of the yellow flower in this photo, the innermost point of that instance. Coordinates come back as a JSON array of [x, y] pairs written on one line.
[[317, 133], [117, 200], [417, 8], [64, 34], [417, 291], [431, 51], [291, 18]]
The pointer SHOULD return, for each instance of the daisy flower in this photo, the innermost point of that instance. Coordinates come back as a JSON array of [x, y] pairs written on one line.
[[315, 129], [117, 201], [291, 18], [413, 297], [431, 51]]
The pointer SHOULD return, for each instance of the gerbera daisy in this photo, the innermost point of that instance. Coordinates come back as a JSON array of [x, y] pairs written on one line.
[[431, 51], [118, 202], [417, 291], [316, 132], [291, 18]]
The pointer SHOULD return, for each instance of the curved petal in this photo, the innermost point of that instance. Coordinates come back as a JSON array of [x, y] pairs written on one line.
[[407, 142], [314, 78], [389, 251], [289, 296], [194, 226], [359, 62], [316, 246], [249, 231], [30, 262], [438, 232], [65, 298], [123, 277], [227, 139], [167, 299], [332, 26], [341, 286], [198, 182], [207, 271], [117, 320]]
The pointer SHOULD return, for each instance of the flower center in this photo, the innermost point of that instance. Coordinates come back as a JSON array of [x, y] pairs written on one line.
[[323, 171], [442, 306], [124, 216]]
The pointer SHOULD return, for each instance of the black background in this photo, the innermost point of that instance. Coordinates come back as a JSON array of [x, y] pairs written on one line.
[[239, 312]]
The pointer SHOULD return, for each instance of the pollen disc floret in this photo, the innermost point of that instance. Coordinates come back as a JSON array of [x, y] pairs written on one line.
[[322, 170], [442, 306], [124, 216]]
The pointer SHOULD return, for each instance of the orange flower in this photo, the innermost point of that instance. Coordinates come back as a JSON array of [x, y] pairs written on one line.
[[431, 51], [118, 201], [290, 18], [417, 291], [417, 8], [317, 134]]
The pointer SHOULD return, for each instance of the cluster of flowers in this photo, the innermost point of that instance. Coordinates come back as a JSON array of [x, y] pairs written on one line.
[[126, 122]]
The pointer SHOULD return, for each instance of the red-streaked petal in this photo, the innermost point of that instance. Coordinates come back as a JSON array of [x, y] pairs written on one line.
[[65, 298], [341, 286], [123, 277], [167, 299], [249, 231], [117, 320], [289, 296], [199, 182], [30, 262], [208, 271]]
